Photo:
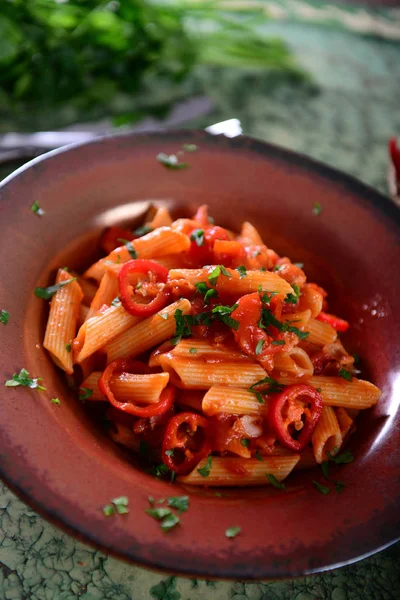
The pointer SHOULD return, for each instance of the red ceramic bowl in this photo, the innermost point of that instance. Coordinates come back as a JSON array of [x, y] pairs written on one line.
[[61, 462]]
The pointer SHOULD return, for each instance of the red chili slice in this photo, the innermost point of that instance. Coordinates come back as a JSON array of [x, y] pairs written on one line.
[[297, 408], [129, 296], [335, 322], [124, 365], [180, 435]]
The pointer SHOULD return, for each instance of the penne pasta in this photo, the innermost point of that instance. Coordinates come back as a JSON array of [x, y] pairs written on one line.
[[233, 401], [106, 292], [345, 421], [336, 391], [290, 367], [162, 218], [62, 321], [320, 333], [227, 471], [249, 235], [327, 436], [88, 289], [201, 348], [141, 389]]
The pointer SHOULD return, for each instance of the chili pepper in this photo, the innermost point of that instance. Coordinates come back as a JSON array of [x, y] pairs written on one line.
[[335, 322], [182, 447], [296, 409], [124, 365], [156, 274], [202, 244]]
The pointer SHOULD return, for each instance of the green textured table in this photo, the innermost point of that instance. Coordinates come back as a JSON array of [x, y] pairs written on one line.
[[344, 118]]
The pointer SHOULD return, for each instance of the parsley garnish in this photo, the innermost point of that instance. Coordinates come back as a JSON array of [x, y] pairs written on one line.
[[300, 265], [129, 246], [277, 267], [273, 481], [273, 387], [193, 350], [181, 503], [325, 468], [142, 230], [22, 379], [190, 147], [171, 161], [198, 236], [48, 292], [35, 208], [242, 271], [119, 505], [169, 522], [223, 312], [68, 347], [205, 471], [213, 277], [170, 452], [343, 458], [85, 393], [259, 347], [293, 298], [321, 488], [4, 317], [317, 209], [258, 456], [345, 374], [232, 532], [278, 343], [183, 323], [245, 442], [206, 291], [55, 401], [116, 301], [268, 319]]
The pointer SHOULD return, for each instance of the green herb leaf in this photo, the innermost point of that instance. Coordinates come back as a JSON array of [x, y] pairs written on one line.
[[121, 505], [158, 513], [345, 374], [211, 293], [339, 485], [278, 343], [68, 347], [4, 317], [222, 313], [129, 246], [35, 208], [108, 510], [205, 471], [55, 401], [293, 298], [169, 522], [245, 442], [85, 393], [198, 236], [193, 350], [277, 267], [273, 386], [116, 302], [181, 503], [259, 347], [300, 265], [317, 209], [343, 458], [242, 271], [325, 468], [319, 390], [232, 532], [142, 230], [48, 292], [190, 147], [321, 488], [273, 481], [171, 161], [258, 456], [22, 379], [170, 452], [213, 277]]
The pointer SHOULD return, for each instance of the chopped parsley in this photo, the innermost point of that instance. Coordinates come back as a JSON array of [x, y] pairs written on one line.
[[293, 298], [85, 393], [242, 271], [48, 292], [184, 323], [232, 532], [278, 343], [223, 314], [317, 209], [181, 503], [259, 347], [273, 387], [171, 161], [206, 291], [198, 236], [343, 458], [219, 269], [300, 265], [167, 518], [325, 468], [345, 374], [273, 481], [277, 267], [258, 456], [117, 505], [56, 401], [22, 379], [116, 301], [205, 471], [245, 442], [4, 316], [190, 147], [323, 489], [142, 230], [193, 350], [170, 452], [129, 247], [68, 347], [268, 319], [35, 208]]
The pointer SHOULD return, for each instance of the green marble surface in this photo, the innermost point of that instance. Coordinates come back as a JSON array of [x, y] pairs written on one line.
[[344, 117]]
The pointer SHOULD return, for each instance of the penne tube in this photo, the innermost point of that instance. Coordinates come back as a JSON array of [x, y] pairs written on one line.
[[62, 322], [242, 472], [101, 329], [200, 348], [106, 292], [344, 420], [249, 235], [198, 374], [162, 218], [290, 367], [88, 289], [146, 334], [327, 436], [320, 333], [234, 284], [311, 299], [336, 391], [129, 387], [299, 319], [82, 315], [230, 400]]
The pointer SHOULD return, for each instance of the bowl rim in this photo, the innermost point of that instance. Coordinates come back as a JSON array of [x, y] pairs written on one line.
[[365, 192]]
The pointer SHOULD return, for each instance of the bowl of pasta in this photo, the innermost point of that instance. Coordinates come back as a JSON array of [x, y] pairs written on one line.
[[200, 358]]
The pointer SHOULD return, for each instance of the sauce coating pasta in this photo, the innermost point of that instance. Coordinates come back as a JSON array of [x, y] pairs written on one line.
[[215, 358]]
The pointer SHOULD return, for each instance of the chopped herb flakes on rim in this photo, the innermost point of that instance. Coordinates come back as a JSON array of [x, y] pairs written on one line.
[[317, 209], [168, 520], [35, 208], [190, 147], [232, 532], [273, 481], [345, 374], [205, 471], [142, 230], [118, 505], [171, 161], [85, 393], [323, 489], [4, 316], [22, 379], [48, 292], [56, 401]]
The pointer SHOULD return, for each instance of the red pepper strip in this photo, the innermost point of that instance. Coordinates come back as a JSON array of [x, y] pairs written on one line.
[[335, 322], [395, 156], [179, 435], [296, 405], [125, 365], [112, 236], [127, 293]]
